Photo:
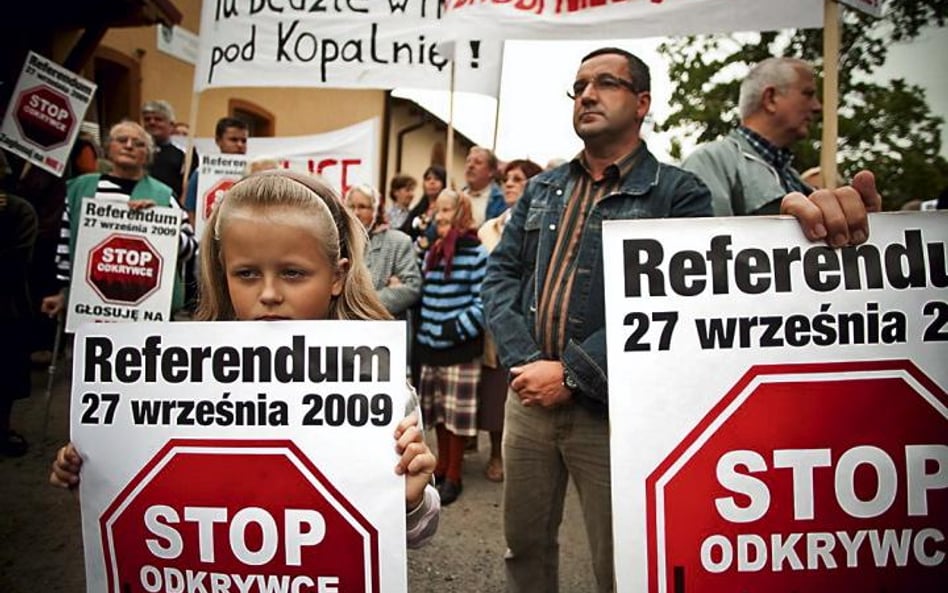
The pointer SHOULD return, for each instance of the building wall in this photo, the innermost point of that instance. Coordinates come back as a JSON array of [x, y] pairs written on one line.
[[418, 143]]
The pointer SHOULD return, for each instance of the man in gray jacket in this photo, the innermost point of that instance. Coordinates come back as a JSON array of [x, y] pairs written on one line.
[[749, 171]]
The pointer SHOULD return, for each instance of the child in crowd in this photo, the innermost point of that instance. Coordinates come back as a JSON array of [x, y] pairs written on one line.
[[450, 335], [282, 246], [402, 193]]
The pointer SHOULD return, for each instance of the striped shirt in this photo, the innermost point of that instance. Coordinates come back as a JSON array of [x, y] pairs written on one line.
[[778, 158], [116, 188], [558, 284]]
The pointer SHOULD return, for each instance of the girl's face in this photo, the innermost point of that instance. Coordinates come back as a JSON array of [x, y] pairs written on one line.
[[514, 182], [361, 205], [432, 185], [404, 195], [446, 209], [276, 268]]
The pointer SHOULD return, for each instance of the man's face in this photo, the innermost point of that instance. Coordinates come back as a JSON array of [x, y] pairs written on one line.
[[607, 111], [233, 141], [797, 106], [159, 126], [477, 171]]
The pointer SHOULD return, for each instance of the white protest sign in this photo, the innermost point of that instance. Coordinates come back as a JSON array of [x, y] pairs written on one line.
[[178, 42], [44, 114], [344, 157], [778, 413], [618, 19], [354, 44], [217, 174], [124, 263], [253, 456]]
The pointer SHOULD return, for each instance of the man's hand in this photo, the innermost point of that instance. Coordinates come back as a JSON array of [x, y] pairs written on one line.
[[53, 305], [540, 383], [837, 216]]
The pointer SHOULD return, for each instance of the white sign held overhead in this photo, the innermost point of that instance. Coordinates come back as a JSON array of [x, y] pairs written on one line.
[[44, 114], [581, 19], [371, 45]]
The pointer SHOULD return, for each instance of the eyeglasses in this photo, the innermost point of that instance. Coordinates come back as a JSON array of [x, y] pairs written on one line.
[[602, 83], [136, 142]]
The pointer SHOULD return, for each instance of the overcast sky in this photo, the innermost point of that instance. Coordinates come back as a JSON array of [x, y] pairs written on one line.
[[535, 114]]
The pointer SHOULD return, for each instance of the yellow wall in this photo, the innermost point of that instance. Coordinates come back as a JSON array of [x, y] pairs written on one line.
[[417, 147]]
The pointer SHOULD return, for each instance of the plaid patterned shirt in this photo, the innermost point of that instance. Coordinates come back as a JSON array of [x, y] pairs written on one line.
[[779, 158], [558, 284]]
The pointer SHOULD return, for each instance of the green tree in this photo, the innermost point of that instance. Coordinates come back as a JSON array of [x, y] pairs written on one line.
[[887, 128]]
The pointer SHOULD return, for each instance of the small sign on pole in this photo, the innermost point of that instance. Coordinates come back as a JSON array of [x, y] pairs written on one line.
[[44, 114]]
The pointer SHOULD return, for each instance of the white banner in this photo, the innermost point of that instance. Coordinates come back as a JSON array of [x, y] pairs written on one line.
[[241, 456], [343, 157], [355, 44], [625, 19], [44, 114], [778, 413], [124, 264]]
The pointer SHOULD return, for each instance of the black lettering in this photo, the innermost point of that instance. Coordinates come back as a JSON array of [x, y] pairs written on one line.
[[747, 263], [97, 352], [636, 267]]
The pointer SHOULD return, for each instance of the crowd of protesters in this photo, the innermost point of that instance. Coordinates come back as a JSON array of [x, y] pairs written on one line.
[[486, 274]]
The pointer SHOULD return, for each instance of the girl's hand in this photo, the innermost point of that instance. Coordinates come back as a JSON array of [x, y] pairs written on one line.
[[417, 462], [65, 472], [393, 281]]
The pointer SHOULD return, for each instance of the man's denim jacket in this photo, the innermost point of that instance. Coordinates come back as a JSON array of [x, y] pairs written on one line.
[[518, 265]]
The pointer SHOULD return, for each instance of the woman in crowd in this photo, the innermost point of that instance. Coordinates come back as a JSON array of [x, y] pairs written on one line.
[[492, 390], [450, 336], [402, 193], [389, 255], [434, 180]]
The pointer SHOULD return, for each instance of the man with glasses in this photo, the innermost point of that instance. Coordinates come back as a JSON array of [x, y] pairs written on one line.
[[545, 304], [130, 149]]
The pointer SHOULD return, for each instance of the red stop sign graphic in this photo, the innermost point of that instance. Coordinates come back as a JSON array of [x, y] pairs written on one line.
[[44, 117], [124, 269], [216, 193], [819, 478], [230, 514]]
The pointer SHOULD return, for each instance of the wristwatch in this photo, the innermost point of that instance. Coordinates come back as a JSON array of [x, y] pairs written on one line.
[[568, 380]]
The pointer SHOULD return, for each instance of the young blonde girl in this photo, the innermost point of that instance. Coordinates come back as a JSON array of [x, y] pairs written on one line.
[[282, 246]]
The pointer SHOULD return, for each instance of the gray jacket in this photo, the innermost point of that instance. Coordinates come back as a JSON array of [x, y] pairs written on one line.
[[741, 182], [389, 253]]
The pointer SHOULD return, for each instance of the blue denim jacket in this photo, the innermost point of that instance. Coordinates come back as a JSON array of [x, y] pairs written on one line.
[[518, 265]]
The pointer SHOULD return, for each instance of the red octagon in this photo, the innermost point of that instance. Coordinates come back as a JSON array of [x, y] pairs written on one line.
[[124, 269], [814, 477], [44, 117], [218, 511], [214, 194]]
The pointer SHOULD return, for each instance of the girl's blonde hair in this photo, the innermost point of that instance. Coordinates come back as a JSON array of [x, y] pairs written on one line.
[[341, 234]]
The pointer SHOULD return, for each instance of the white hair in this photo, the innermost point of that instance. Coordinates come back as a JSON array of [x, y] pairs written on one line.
[[775, 72]]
